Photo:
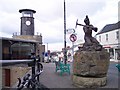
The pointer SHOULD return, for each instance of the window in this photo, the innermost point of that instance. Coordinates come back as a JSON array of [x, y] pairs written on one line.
[[117, 35], [106, 37], [100, 38]]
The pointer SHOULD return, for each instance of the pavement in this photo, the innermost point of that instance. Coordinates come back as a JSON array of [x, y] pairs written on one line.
[[52, 79], [113, 60]]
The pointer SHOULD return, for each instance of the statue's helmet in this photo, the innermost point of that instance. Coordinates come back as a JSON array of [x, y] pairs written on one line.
[[86, 20]]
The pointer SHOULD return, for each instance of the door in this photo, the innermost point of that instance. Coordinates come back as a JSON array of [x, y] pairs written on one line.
[[7, 77]]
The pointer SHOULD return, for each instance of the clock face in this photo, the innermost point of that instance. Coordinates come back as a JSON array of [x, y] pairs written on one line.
[[28, 23]]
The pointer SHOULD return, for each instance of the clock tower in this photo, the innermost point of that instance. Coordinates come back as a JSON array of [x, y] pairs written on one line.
[[27, 22]]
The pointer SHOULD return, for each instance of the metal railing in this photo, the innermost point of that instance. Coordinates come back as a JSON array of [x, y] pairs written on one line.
[[14, 62]]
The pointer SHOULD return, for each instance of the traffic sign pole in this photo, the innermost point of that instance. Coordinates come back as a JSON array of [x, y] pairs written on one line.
[[72, 51], [73, 38]]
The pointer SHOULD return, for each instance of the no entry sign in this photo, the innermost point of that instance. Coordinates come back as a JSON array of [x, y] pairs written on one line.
[[73, 37]]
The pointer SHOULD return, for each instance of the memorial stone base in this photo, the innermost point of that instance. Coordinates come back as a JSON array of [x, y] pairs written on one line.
[[89, 82], [90, 68]]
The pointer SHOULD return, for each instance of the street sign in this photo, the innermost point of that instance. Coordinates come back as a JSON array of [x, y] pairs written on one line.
[[70, 31], [73, 37]]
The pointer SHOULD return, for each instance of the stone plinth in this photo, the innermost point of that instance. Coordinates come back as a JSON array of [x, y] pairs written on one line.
[[89, 82], [90, 68], [91, 63]]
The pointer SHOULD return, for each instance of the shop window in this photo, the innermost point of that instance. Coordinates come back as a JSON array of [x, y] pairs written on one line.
[[100, 38], [117, 35], [22, 50], [106, 37], [111, 51]]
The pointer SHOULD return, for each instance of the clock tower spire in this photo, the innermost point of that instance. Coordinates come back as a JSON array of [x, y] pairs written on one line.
[[27, 22]]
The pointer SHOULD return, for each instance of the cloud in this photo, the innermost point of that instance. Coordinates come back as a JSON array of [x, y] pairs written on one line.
[[9, 23], [52, 31], [82, 8], [49, 19], [55, 46], [49, 11], [107, 15]]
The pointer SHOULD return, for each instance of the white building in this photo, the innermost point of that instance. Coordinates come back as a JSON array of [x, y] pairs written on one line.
[[109, 37]]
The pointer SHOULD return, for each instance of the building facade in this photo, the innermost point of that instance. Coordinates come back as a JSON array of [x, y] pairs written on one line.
[[27, 31], [20, 47], [14, 49], [109, 37]]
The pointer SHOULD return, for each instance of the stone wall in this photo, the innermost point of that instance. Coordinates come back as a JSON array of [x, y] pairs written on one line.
[[18, 72], [15, 72]]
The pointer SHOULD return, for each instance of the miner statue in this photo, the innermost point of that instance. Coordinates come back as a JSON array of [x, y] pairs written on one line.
[[90, 42]]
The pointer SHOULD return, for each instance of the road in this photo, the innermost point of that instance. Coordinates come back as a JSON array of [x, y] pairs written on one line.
[[112, 76]]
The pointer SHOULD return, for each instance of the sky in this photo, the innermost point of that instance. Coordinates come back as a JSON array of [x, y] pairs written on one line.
[[49, 18]]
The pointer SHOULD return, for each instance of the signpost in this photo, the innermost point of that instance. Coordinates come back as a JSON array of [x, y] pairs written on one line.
[[73, 38], [70, 31]]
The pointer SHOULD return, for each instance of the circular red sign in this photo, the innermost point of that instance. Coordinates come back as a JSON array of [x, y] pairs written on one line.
[[73, 37]]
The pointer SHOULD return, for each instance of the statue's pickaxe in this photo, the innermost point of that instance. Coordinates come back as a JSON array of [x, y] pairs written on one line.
[[94, 28]]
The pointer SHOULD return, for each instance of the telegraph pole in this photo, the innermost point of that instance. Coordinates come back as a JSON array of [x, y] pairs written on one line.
[[65, 51]]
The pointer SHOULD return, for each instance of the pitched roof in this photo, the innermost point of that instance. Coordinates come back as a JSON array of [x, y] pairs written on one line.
[[110, 27]]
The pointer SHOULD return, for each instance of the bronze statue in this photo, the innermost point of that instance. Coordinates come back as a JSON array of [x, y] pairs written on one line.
[[90, 42]]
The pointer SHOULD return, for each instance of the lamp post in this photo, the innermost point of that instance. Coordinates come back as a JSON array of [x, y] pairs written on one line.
[[65, 51]]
